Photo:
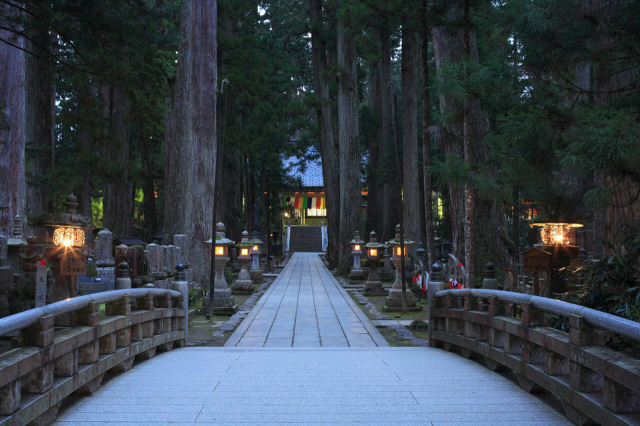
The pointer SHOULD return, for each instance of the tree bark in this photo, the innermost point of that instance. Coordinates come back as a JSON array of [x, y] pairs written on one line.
[[148, 189], [410, 180], [392, 196], [329, 149], [426, 143], [468, 158], [375, 178], [12, 129], [191, 145], [350, 190], [490, 237], [117, 193], [40, 113]]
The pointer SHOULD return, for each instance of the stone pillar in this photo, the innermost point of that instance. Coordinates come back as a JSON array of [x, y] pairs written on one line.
[[435, 285], [4, 252], [180, 284], [155, 258], [103, 248], [180, 240], [123, 281], [490, 282]]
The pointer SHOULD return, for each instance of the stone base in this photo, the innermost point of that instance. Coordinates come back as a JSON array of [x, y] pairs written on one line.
[[394, 300], [225, 310], [242, 287], [374, 289], [256, 276], [386, 308], [357, 275]]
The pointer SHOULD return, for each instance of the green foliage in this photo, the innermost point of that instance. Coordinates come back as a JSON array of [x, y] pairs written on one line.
[[612, 284]]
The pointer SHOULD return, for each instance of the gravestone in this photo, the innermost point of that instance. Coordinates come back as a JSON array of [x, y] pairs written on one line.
[[41, 286], [155, 260], [3, 248], [168, 258], [122, 255], [103, 248]]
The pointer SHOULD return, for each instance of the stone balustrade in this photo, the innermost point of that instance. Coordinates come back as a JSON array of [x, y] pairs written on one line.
[[595, 384], [51, 361]]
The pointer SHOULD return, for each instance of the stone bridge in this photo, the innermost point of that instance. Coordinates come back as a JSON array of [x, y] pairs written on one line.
[[306, 354]]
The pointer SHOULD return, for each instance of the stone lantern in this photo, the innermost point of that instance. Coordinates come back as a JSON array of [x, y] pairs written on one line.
[[373, 285], [243, 284], [222, 298], [256, 250], [394, 300], [69, 251], [357, 273]]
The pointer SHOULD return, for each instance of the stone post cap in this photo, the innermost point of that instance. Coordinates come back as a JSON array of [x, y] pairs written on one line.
[[436, 272], [180, 274], [123, 270], [489, 271]]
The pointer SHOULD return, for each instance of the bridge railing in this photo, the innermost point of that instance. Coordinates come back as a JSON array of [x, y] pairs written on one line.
[[510, 331], [68, 346]]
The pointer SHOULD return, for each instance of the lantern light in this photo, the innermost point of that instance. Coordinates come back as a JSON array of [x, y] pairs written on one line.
[[554, 233], [244, 251], [356, 247], [373, 252], [68, 236]]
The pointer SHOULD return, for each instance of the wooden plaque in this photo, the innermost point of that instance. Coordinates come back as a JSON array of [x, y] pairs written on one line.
[[73, 264], [536, 260]]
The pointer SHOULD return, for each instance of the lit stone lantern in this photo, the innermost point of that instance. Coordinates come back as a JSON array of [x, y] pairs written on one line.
[[373, 285], [394, 300], [69, 251], [357, 273], [222, 298], [256, 250], [243, 284]]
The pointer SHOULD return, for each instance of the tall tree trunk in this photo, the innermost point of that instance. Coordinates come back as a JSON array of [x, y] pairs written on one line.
[[410, 179], [375, 198], [468, 158], [191, 145], [490, 238], [391, 195], [328, 147], [40, 98], [426, 142], [148, 189], [117, 194], [350, 190], [12, 128]]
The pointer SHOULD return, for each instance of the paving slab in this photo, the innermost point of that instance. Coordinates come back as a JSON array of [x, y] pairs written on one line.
[[378, 385], [306, 300]]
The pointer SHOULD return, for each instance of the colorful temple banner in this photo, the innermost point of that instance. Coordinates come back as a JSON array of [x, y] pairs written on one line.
[[305, 203]]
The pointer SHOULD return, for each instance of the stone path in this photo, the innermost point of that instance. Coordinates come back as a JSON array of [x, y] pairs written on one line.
[[383, 386], [306, 307], [301, 382]]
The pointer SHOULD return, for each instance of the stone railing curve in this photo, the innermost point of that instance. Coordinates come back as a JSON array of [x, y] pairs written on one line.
[[510, 331], [67, 347]]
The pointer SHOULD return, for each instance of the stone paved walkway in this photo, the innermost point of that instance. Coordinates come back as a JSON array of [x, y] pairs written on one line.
[[306, 307], [382, 386], [254, 384]]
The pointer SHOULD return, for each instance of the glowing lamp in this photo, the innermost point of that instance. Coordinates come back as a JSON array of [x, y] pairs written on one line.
[[255, 248], [357, 247], [373, 252], [554, 233], [221, 250], [244, 251], [68, 236]]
